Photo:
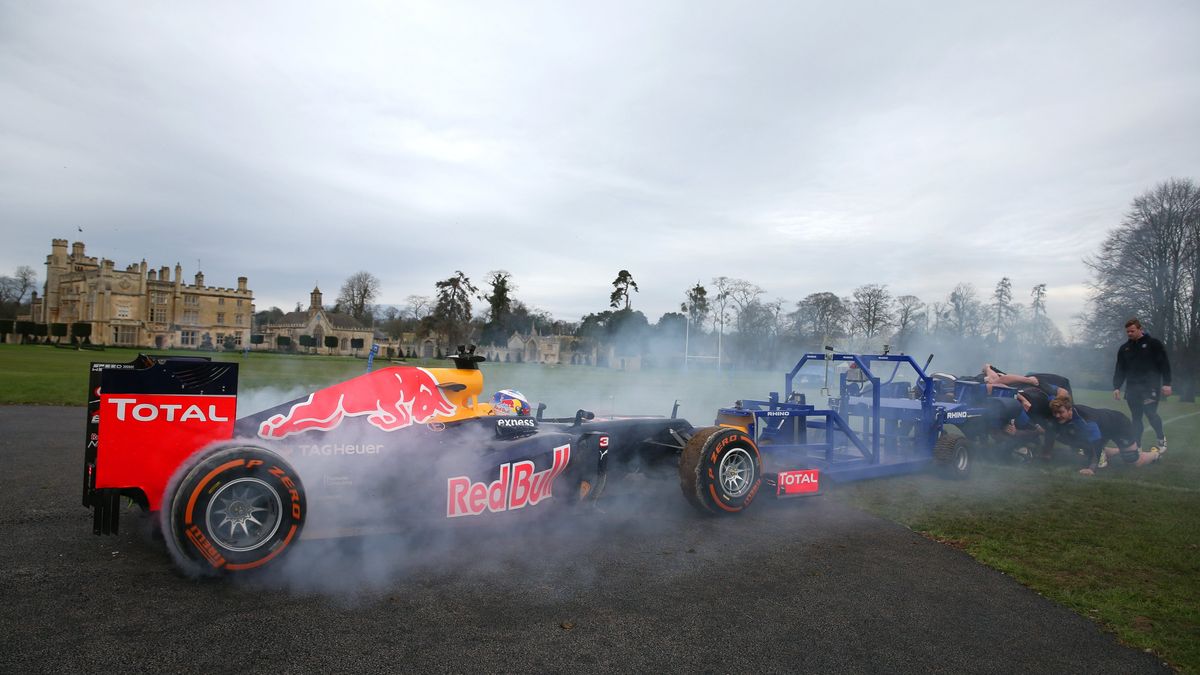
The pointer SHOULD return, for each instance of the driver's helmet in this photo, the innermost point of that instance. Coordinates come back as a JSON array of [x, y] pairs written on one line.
[[510, 402]]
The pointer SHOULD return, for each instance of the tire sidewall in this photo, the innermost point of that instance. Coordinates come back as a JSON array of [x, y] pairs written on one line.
[[947, 452], [197, 548], [716, 449], [960, 463]]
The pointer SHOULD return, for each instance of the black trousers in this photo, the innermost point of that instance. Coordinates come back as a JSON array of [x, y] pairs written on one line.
[[1144, 401]]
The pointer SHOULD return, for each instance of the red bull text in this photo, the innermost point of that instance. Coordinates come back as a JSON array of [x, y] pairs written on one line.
[[517, 487]]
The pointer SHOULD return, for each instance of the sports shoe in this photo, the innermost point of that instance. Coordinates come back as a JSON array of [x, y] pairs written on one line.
[[1162, 445], [1103, 460]]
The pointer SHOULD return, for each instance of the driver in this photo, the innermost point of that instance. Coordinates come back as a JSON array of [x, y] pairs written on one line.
[[510, 402]]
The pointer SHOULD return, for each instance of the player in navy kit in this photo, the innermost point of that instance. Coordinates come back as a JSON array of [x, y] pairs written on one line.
[[1090, 429]]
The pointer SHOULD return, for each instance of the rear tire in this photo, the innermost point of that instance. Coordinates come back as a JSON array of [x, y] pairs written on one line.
[[234, 510], [953, 455], [720, 471]]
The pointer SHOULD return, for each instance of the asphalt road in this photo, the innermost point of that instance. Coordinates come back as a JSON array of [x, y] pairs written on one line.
[[787, 587]]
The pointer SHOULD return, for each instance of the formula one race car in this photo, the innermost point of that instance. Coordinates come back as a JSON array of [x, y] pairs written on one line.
[[400, 445]]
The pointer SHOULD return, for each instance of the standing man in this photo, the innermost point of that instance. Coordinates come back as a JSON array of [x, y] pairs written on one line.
[[1143, 368]]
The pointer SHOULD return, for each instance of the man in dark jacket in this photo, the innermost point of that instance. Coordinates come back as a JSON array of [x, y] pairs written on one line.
[[1143, 368]]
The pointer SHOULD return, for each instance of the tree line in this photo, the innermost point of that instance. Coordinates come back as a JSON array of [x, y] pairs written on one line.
[[1148, 266]]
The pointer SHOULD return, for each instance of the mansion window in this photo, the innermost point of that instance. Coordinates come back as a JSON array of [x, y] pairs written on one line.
[[122, 311], [158, 314], [158, 298], [220, 318], [191, 317], [191, 300], [124, 335], [187, 338], [241, 319], [220, 301]]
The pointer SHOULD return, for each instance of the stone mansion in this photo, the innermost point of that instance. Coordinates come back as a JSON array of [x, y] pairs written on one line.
[[138, 306]]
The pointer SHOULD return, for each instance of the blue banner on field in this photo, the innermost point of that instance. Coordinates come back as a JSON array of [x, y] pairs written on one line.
[[371, 356]]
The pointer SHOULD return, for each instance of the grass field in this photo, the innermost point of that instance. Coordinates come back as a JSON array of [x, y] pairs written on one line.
[[1122, 548]]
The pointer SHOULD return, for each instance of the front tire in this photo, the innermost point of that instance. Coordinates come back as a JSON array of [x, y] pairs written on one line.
[[720, 471], [953, 455], [236, 509]]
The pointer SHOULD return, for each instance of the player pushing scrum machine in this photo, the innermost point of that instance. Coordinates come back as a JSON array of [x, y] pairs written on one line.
[[1090, 429]]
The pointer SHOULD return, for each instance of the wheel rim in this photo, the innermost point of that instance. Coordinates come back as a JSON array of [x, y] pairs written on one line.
[[736, 472], [961, 459], [243, 514]]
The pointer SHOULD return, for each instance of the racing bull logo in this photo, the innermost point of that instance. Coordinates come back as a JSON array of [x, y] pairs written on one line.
[[391, 399]]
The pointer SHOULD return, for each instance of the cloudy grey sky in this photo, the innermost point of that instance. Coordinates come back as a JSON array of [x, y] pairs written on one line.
[[802, 146]]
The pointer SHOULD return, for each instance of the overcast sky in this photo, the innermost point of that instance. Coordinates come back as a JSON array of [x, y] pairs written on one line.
[[801, 146]]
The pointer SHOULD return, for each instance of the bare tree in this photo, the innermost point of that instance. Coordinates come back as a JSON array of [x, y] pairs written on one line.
[[357, 293], [871, 309], [1146, 266], [910, 316], [964, 311], [742, 294], [778, 328], [720, 307], [26, 281], [417, 306], [755, 338], [14, 289], [821, 315]]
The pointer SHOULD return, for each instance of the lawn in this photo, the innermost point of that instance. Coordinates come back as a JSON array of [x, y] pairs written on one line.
[[45, 375], [1122, 548]]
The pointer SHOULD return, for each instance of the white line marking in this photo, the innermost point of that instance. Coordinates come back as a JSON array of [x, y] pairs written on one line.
[[1181, 417]]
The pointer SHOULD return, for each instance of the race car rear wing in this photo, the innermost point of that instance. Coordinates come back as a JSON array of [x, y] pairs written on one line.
[[144, 418]]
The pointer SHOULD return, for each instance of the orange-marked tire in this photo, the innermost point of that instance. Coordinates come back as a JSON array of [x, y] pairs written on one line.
[[236, 509], [720, 470]]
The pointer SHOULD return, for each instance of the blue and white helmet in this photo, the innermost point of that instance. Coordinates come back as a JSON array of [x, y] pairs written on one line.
[[510, 402]]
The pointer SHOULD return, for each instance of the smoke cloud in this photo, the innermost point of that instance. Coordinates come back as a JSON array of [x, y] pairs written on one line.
[[366, 528]]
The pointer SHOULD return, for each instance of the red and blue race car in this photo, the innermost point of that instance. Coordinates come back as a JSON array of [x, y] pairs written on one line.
[[401, 446]]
